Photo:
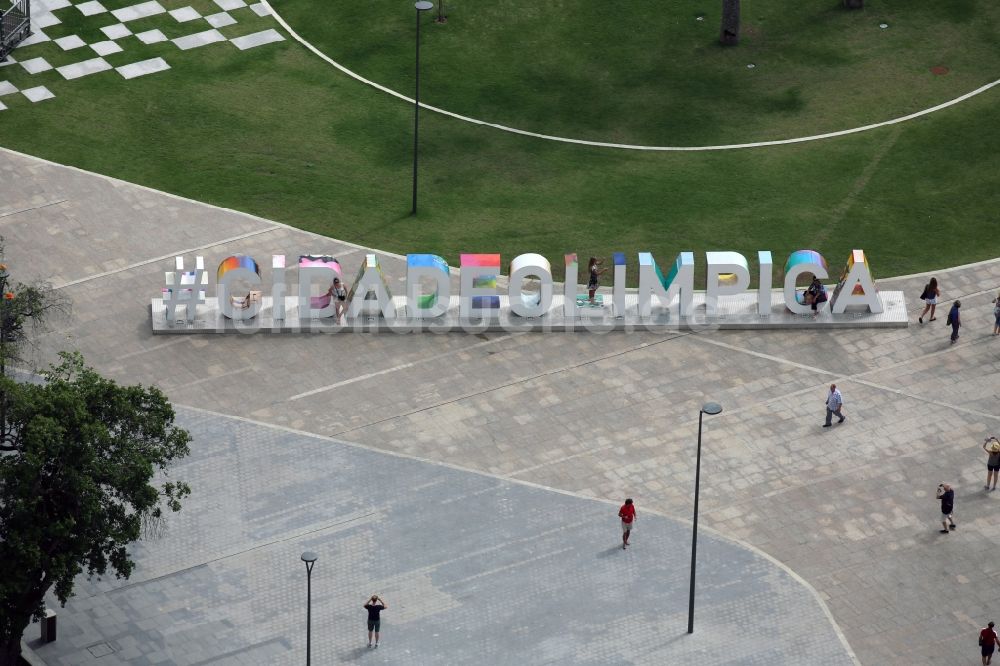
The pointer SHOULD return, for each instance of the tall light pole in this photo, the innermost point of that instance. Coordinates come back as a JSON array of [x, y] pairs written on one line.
[[710, 408], [421, 7], [310, 559]]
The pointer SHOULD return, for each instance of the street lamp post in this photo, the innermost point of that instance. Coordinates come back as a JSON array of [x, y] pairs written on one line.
[[710, 408], [310, 559], [421, 7]]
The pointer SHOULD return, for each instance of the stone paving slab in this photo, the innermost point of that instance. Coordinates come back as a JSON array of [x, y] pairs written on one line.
[[91, 8], [143, 67], [199, 39], [151, 37], [7, 88], [36, 65], [85, 67], [70, 42], [37, 94], [139, 11], [185, 14], [250, 41], [474, 569]]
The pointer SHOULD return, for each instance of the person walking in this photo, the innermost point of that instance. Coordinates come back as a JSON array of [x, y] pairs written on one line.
[[627, 514], [374, 607], [834, 405], [930, 297], [947, 497], [595, 270], [992, 447], [955, 320], [996, 315], [988, 641]]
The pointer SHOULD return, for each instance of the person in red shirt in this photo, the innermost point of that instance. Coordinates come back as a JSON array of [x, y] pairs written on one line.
[[988, 641], [627, 514]]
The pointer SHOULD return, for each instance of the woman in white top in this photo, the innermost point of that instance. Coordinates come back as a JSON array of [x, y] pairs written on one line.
[[338, 294]]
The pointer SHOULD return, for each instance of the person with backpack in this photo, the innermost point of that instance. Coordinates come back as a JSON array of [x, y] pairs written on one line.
[[988, 641], [996, 315], [954, 320], [930, 297]]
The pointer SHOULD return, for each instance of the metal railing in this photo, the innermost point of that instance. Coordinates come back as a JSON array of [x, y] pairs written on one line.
[[15, 26]]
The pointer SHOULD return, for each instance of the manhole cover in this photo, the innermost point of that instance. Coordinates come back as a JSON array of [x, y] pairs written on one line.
[[939, 70], [100, 650]]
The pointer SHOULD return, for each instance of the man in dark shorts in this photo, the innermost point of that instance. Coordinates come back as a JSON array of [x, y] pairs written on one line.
[[627, 514], [988, 641], [992, 447], [374, 607], [947, 497]]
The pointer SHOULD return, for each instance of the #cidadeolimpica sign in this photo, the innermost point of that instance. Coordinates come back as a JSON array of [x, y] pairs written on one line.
[[314, 302]]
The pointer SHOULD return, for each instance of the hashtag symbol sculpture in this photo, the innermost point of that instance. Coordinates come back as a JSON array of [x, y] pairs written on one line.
[[185, 288]]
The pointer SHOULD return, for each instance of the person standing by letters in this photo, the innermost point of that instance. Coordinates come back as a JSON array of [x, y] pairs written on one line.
[[834, 405], [627, 514], [374, 607], [947, 497]]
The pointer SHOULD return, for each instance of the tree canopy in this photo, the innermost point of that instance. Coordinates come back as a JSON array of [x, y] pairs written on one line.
[[77, 484]]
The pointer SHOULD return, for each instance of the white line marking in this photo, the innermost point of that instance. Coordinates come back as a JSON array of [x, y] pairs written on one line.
[[625, 146]]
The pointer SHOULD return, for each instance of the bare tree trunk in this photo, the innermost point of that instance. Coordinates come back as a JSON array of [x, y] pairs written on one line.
[[729, 34], [854, 4]]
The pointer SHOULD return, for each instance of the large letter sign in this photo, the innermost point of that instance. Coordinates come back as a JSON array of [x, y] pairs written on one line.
[[526, 304], [238, 304], [724, 263], [434, 304], [856, 286], [679, 282], [371, 281], [800, 262], [317, 270], [231, 270], [478, 297]]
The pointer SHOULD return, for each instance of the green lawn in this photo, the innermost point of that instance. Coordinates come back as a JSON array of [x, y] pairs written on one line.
[[277, 132]]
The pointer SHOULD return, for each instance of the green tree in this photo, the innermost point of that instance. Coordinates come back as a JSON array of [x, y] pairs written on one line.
[[77, 485], [729, 32]]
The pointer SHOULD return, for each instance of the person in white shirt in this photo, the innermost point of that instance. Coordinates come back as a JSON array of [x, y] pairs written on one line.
[[834, 404]]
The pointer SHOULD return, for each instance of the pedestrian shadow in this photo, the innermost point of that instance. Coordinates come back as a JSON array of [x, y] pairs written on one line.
[[355, 655], [609, 552]]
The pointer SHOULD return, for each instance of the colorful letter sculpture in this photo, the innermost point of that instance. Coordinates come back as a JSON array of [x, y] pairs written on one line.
[[478, 297], [799, 262], [237, 305], [856, 286], [724, 263], [530, 304], [319, 270], [187, 288], [370, 286], [680, 283], [435, 303]]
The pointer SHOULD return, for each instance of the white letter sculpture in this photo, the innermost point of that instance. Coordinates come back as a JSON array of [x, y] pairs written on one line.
[[856, 286], [478, 296], [371, 281], [187, 288], [729, 264], [766, 266], [680, 283], [278, 287], [529, 304]]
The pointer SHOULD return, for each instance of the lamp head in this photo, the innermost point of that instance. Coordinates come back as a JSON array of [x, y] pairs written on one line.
[[308, 557], [711, 408], [423, 5]]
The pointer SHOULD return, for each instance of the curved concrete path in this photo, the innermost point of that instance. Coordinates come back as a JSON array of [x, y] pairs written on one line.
[[849, 509]]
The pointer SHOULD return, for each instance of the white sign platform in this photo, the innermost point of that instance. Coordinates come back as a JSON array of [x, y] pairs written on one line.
[[734, 312]]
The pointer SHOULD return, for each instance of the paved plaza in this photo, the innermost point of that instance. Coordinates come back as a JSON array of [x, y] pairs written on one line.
[[519, 430]]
